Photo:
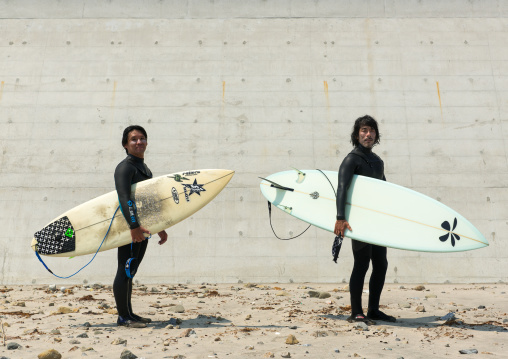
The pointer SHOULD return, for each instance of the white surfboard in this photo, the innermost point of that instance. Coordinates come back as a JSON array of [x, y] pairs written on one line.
[[379, 212], [161, 203]]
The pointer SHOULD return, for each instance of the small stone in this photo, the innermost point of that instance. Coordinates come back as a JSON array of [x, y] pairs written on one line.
[[87, 324], [49, 354], [449, 316], [52, 287], [336, 350], [74, 341], [419, 288], [313, 294], [468, 351], [87, 349], [429, 296], [154, 290], [249, 347], [361, 326], [420, 309], [324, 295], [127, 354], [64, 310], [186, 333], [291, 339], [55, 332], [119, 341], [320, 333], [481, 307], [177, 308], [82, 335], [293, 327], [13, 346], [286, 355], [58, 340], [217, 339], [269, 355], [405, 305], [248, 317], [19, 304]]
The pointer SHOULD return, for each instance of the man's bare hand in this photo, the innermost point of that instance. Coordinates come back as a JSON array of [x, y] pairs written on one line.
[[137, 234], [340, 226]]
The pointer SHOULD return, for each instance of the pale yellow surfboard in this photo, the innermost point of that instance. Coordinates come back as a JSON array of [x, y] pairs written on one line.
[[161, 203]]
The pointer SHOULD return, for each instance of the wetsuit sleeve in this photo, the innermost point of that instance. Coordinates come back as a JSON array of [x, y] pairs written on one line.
[[346, 172], [123, 181]]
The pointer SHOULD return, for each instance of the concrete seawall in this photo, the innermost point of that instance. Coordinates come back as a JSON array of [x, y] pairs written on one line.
[[255, 87]]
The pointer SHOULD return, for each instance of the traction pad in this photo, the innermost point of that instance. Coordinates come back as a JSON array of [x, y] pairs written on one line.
[[56, 237]]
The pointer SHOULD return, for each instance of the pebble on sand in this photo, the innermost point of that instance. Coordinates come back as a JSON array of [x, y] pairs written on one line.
[[177, 308], [49, 354], [119, 341], [13, 346], [127, 354], [291, 339], [468, 351]]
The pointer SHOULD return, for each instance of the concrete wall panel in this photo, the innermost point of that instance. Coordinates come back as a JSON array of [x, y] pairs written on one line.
[[255, 87]]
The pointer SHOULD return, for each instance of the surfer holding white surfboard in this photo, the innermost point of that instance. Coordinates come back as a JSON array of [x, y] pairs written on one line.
[[362, 161], [131, 170]]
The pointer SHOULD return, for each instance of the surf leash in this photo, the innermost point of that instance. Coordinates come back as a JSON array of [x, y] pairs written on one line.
[[282, 239], [50, 271]]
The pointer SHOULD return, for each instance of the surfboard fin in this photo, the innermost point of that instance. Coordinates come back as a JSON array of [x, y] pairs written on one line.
[[301, 175], [278, 186]]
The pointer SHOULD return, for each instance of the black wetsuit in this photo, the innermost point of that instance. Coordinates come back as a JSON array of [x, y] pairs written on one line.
[[362, 161], [131, 170]]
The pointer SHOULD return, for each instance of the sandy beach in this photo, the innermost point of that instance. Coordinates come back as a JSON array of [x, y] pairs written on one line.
[[252, 320]]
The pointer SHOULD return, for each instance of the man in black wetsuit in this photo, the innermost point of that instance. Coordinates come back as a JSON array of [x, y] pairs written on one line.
[[362, 161], [131, 170]]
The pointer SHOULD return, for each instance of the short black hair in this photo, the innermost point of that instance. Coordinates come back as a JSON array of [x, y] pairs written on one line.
[[128, 130], [364, 121]]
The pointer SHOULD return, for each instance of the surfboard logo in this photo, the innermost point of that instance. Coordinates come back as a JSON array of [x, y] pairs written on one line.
[[453, 237], [314, 195], [179, 178], [194, 188], [174, 192]]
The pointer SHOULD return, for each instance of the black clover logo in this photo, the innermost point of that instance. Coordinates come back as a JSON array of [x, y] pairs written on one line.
[[445, 225]]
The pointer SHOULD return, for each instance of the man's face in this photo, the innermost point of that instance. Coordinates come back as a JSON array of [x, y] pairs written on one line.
[[136, 143], [367, 136]]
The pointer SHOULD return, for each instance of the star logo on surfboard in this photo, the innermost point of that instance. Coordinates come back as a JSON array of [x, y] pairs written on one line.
[[194, 188], [453, 237]]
